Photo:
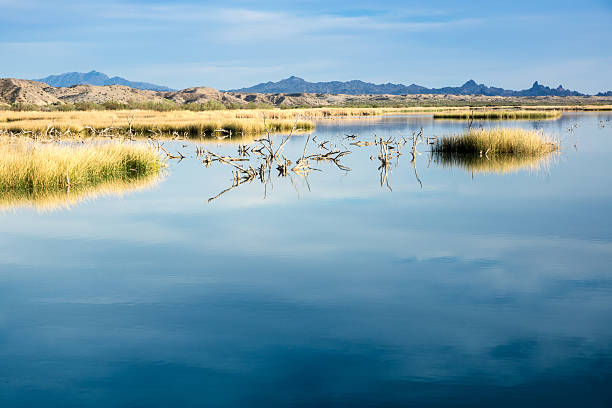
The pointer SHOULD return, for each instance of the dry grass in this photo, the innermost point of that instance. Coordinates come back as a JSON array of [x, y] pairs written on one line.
[[32, 171], [192, 123], [499, 150], [241, 122], [577, 108], [499, 114], [362, 112], [497, 141]]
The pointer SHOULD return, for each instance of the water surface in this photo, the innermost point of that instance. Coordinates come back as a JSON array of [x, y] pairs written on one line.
[[474, 289]]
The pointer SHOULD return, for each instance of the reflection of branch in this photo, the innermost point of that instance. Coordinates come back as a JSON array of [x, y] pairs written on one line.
[[233, 186], [305, 177], [384, 176], [416, 174], [295, 187]]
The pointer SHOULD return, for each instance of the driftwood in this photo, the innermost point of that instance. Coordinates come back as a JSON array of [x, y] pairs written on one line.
[[258, 161], [271, 157]]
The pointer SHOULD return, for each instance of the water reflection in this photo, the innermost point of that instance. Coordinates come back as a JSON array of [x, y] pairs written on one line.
[[488, 292], [46, 200], [496, 164]]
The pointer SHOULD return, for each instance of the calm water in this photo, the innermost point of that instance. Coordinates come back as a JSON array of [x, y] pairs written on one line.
[[472, 290]]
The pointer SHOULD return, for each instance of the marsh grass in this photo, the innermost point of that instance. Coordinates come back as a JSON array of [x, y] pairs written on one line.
[[143, 123], [240, 122], [520, 142], [246, 122], [499, 150], [499, 114], [31, 172]]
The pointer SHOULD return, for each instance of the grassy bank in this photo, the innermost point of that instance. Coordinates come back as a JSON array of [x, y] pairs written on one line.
[[143, 123], [32, 171], [240, 122], [190, 123], [498, 141], [499, 114]]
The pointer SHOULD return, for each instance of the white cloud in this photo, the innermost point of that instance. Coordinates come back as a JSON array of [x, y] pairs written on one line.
[[256, 24]]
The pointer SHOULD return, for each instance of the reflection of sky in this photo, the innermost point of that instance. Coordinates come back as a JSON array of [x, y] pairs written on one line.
[[497, 287]]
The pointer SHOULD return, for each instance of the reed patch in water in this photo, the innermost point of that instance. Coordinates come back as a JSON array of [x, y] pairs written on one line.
[[31, 172], [499, 150], [495, 141]]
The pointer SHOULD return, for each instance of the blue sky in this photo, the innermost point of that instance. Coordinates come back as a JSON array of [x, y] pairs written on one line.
[[232, 44]]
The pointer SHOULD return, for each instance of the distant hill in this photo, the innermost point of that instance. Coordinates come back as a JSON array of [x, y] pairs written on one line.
[[27, 92], [97, 78], [607, 93], [294, 84]]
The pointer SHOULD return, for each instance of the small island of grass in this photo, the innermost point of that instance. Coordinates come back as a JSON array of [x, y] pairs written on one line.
[[496, 141], [33, 172], [498, 150]]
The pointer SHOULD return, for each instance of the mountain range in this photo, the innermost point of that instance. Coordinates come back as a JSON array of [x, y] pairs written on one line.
[[27, 92], [295, 84], [97, 78]]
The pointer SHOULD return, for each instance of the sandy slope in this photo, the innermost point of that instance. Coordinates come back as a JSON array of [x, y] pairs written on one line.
[[37, 93]]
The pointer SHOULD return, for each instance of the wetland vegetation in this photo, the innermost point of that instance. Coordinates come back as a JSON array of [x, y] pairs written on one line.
[[39, 165], [499, 114], [146, 123], [226, 122], [45, 173], [496, 141]]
